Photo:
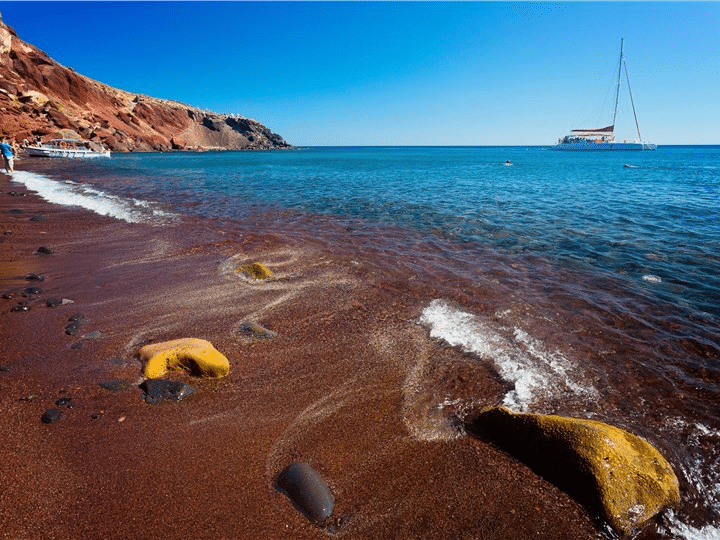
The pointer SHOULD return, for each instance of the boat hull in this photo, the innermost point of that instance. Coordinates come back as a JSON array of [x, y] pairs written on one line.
[[39, 151], [591, 146]]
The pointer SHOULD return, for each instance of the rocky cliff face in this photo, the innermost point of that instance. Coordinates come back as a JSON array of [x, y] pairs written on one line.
[[41, 98]]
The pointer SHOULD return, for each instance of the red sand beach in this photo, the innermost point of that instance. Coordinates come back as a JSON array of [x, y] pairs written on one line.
[[341, 388]]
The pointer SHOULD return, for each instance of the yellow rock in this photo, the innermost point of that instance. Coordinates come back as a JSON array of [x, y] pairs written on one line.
[[616, 474], [196, 356], [256, 270]]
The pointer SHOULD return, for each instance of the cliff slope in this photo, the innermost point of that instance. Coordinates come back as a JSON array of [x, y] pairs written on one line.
[[41, 98]]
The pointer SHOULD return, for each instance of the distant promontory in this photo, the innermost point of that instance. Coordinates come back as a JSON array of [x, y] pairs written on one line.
[[39, 98]]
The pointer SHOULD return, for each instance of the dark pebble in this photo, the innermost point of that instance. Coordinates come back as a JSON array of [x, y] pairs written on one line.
[[77, 345], [22, 306], [8, 296], [256, 331], [71, 329], [50, 416], [94, 416], [42, 250], [308, 491], [38, 219], [53, 302], [157, 390], [27, 397], [115, 385], [15, 212], [33, 290], [5, 368], [77, 318], [63, 401], [35, 277]]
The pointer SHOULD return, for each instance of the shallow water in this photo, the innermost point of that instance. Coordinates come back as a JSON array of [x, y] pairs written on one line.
[[587, 287]]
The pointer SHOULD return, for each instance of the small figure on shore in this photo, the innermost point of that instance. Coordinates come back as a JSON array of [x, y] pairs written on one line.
[[8, 152]]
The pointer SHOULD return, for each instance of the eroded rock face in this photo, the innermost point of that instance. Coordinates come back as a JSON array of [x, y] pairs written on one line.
[[615, 474], [196, 356], [41, 98]]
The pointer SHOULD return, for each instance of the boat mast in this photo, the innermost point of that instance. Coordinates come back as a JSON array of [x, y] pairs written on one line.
[[632, 102], [617, 88]]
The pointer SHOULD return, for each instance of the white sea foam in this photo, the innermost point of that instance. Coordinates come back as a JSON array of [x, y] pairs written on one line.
[[75, 194], [535, 373], [652, 278]]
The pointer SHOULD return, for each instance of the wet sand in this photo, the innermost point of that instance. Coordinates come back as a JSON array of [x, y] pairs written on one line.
[[350, 386]]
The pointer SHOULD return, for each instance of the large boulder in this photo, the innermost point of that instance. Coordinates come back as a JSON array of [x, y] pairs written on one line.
[[196, 356], [618, 476]]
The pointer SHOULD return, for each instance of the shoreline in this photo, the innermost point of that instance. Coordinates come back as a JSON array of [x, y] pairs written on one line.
[[339, 388]]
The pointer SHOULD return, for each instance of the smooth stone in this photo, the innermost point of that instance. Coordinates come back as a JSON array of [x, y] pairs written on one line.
[[20, 307], [53, 302], [34, 277], [307, 491], [196, 356], [77, 345], [66, 400], [77, 318], [257, 331], [42, 250], [157, 390], [38, 219], [71, 329], [115, 385], [7, 296], [96, 334], [5, 369], [33, 290], [50, 415], [15, 212], [256, 270], [618, 476]]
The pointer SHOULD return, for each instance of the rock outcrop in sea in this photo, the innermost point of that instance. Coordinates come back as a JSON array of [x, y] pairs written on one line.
[[615, 474], [41, 98]]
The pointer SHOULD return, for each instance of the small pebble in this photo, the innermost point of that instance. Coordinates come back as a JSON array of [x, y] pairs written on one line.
[[35, 277], [64, 401], [43, 250], [38, 219], [50, 416], [53, 302], [22, 306], [97, 334], [77, 345], [33, 290]]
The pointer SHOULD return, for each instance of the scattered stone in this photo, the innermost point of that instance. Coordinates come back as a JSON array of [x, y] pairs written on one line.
[[197, 356], [8, 296], [95, 416], [33, 291], [615, 474], [15, 212], [53, 302], [42, 250], [156, 390], [27, 397], [66, 401], [38, 219], [77, 345], [97, 334], [115, 385], [34, 277], [50, 416], [256, 331], [71, 329], [74, 323], [4, 369], [256, 270], [307, 491], [20, 306]]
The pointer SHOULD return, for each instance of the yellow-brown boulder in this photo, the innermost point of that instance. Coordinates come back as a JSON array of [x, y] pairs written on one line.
[[618, 476], [256, 270], [196, 356]]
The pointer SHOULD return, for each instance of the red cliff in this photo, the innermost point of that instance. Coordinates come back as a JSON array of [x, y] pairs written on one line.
[[41, 98]]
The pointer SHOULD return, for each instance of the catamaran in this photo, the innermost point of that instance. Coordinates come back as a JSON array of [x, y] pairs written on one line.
[[604, 138]]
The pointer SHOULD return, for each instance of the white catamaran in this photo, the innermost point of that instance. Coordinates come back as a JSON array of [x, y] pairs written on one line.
[[604, 138]]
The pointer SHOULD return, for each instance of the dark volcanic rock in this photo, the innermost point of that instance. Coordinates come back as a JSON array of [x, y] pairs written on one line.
[[43, 250], [307, 491], [34, 277], [157, 390], [50, 416]]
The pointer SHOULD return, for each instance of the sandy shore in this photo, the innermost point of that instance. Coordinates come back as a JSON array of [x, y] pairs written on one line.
[[349, 386]]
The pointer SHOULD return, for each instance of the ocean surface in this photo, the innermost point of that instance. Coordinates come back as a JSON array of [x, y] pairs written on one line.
[[588, 282]]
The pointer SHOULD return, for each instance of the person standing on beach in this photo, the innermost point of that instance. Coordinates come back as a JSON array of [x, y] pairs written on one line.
[[8, 153]]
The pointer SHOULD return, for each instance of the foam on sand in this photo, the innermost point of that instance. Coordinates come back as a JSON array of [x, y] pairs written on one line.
[[75, 194], [535, 373]]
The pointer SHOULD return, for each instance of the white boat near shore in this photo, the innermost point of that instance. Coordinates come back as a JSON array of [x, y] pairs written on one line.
[[67, 148]]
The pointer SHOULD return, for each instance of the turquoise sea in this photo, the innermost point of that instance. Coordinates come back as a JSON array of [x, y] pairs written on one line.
[[589, 281]]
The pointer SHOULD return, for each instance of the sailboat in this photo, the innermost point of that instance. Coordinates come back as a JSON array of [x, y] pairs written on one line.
[[604, 138]]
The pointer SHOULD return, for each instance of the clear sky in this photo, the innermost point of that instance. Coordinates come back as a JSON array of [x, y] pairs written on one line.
[[403, 73]]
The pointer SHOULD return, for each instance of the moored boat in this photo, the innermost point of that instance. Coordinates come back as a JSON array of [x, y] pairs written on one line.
[[604, 138], [67, 148]]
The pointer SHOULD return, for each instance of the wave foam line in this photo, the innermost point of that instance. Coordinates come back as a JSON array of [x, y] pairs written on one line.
[[90, 198], [536, 374]]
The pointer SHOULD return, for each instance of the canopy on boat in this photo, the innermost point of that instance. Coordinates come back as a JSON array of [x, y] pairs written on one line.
[[599, 131]]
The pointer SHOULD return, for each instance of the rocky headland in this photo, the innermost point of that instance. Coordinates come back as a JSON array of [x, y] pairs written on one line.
[[41, 98]]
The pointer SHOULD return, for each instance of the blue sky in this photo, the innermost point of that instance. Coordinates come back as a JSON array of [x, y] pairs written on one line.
[[403, 73]]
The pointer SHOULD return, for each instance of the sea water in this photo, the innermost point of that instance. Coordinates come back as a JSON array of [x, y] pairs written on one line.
[[588, 282]]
